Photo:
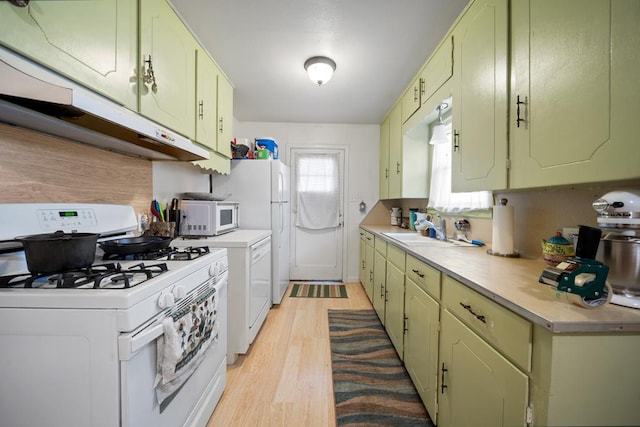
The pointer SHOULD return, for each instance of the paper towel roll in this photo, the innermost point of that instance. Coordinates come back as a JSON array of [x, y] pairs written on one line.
[[502, 239]]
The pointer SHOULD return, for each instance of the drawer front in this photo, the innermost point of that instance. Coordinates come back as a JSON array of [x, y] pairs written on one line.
[[505, 330], [381, 245], [369, 237], [396, 257], [423, 275]]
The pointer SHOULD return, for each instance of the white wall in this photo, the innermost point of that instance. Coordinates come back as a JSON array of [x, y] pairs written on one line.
[[361, 183], [172, 178]]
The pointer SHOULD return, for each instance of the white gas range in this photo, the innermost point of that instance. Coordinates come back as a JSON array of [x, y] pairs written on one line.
[[127, 342]]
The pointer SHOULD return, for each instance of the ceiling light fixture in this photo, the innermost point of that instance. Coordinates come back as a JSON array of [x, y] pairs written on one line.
[[320, 69]]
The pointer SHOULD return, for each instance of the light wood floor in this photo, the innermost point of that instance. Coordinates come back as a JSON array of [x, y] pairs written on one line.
[[285, 378]]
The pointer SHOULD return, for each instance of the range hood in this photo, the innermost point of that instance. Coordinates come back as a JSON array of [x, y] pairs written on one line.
[[35, 98]]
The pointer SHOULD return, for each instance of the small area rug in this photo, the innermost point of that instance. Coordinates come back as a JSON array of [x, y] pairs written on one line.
[[316, 290], [370, 382]]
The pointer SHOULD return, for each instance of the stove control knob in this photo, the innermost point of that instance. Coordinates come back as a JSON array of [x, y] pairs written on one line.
[[166, 300], [179, 292]]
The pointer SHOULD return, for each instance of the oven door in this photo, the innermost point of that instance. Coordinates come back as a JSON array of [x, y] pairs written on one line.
[[193, 403]]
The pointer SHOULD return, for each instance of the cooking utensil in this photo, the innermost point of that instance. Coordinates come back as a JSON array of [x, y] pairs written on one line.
[[135, 245], [57, 252], [155, 210]]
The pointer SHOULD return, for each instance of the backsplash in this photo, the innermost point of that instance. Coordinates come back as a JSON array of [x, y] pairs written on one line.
[[538, 214], [39, 168]]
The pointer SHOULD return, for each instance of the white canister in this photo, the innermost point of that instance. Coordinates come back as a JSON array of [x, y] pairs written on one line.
[[396, 216]]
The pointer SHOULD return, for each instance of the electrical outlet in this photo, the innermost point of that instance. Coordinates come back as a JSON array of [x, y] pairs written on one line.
[[569, 232]]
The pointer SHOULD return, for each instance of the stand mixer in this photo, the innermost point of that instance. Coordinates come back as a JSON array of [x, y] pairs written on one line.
[[619, 218]]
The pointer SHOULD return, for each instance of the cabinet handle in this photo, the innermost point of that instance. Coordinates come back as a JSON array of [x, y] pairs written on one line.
[[363, 266], [470, 310], [398, 168], [518, 103], [149, 76], [201, 110], [370, 275], [385, 295], [442, 384], [406, 324], [386, 172], [417, 272], [422, 87], [20, 3], [221, 124], [456, 140], [415, 94]]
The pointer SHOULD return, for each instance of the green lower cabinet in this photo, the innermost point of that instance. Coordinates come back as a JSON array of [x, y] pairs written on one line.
[[369, 266], [478, 387], [394, 307], [422, 314], [379, 285], [585, 379]]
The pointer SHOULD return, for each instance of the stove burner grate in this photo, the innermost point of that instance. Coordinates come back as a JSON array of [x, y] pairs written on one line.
[[170, 254], [100, 276]]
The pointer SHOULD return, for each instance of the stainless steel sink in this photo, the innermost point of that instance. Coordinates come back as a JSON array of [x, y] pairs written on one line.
[[416, 239]]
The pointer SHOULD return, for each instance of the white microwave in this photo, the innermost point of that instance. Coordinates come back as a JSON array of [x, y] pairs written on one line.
[[208, 218]]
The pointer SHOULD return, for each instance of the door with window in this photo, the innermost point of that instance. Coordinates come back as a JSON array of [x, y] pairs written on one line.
[[317, 181]]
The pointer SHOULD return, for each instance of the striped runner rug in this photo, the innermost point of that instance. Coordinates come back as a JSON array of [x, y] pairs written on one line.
[[315, 290], [370, 382]]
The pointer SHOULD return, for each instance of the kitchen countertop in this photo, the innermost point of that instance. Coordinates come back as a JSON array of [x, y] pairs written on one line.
[[240, 238], [513, 283]]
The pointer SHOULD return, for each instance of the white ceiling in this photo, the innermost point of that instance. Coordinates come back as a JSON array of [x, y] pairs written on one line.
[[378, 46]]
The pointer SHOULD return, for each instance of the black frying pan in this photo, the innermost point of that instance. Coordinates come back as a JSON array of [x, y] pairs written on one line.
[[135, 245]]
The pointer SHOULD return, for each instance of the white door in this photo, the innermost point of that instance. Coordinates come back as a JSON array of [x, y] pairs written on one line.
[[317, 181]]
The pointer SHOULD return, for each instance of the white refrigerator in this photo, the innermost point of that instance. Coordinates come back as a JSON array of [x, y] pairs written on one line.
[[261, 187]]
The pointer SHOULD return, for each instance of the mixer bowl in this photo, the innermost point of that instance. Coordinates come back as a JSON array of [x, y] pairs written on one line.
[[622, 254]]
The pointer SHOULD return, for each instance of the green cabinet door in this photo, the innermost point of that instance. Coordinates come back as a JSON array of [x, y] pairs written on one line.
[[92, 42], [207, 100], [384, 159], [225, 116], [412, 100], [575, 87], [362, 260], [394, 307], [478, 386], [422, 315], [379, 285], [370, 267], [395, 153], [480, 98], [167, 89]]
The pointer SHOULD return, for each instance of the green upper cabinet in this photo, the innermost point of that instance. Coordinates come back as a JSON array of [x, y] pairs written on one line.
[[575, 96], [168, 68], [480, 97], [206, 100], [412, 99], [438, 70], [384, 159], [92, 42], [225, 116], [395, 153]]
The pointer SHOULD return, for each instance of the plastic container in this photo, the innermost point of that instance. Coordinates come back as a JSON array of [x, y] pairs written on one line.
[[262, 154], [270, 144]]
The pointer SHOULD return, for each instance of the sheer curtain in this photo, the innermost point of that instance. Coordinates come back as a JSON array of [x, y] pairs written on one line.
[[318, 190], [440, 196]]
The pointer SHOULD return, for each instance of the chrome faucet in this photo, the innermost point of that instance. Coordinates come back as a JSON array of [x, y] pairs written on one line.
[[441, 231]]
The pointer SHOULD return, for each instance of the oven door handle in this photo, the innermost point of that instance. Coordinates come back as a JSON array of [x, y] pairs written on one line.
[[129, 344]]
